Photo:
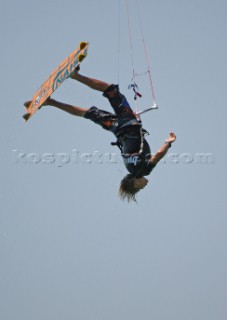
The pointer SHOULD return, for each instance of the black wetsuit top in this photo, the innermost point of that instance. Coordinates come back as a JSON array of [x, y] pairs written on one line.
[[138, 164]]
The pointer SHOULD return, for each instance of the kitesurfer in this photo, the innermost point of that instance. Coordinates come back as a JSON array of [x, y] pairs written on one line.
[[128, 130]]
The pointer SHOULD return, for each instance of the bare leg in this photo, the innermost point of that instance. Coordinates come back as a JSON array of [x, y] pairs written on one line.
[[92, 83], [76, 111]]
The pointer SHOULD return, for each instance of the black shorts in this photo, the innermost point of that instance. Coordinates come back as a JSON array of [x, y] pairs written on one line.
[[123, 115]]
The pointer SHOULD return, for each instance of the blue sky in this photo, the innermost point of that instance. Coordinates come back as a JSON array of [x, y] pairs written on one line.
[[69, 247]]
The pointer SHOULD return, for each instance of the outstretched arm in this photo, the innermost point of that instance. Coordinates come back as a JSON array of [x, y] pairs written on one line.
[[76, 111], [163, 150]]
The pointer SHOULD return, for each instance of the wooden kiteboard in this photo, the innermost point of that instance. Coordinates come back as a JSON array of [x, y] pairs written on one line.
[[56, 78]]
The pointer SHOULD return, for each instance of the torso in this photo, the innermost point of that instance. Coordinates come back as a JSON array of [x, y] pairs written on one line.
[[138, 164]]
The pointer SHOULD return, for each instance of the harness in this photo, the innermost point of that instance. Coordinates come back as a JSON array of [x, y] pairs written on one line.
[[120, 136]]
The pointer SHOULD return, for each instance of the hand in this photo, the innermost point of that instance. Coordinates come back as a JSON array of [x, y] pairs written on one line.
[[172, 137], [137, 116]]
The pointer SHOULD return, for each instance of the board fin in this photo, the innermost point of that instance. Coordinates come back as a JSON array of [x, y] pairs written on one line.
[[27, 104], [83, 45], [26, 116], [81, 57]]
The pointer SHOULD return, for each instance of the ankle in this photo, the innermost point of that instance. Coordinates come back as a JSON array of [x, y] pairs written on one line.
[[75, 75]]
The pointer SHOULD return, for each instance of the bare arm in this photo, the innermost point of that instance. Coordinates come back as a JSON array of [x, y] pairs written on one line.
[[163, 150]]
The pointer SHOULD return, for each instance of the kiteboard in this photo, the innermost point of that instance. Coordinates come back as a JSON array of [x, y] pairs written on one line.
[[56, 78]]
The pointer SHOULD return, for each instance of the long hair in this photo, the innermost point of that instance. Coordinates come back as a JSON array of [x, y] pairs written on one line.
[[127, 189]]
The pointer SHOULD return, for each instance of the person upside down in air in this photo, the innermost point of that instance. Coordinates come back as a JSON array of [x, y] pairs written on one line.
[[128, 130]]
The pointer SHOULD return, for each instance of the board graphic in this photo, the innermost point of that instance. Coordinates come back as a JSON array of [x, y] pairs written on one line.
[[56, 78]]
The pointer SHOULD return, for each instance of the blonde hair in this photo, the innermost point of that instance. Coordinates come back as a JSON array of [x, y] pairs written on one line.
[[127, 189]]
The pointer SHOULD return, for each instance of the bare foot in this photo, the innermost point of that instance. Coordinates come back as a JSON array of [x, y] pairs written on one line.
[[74, 74], [47, 102]]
